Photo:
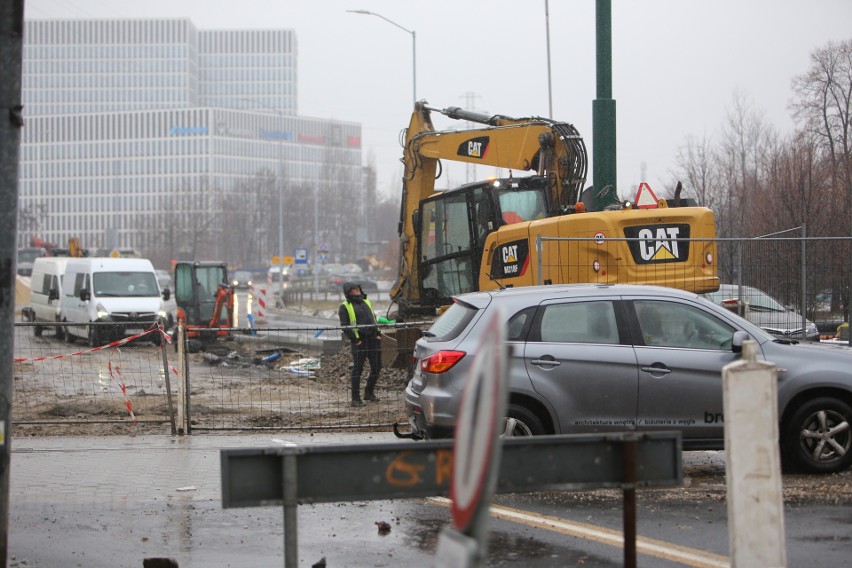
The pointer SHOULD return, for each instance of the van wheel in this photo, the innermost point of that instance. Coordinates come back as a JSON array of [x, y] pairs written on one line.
[[818, 436], [60, 332], [520, 421], [37, 329], [66, 334]]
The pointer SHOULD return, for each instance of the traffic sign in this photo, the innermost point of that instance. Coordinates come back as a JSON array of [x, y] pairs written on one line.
[[645, 198], [288, 260], [476, 455], [301, 256], [276, 260]]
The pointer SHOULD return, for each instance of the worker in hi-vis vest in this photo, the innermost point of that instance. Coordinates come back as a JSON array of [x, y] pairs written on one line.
[[365, 339]]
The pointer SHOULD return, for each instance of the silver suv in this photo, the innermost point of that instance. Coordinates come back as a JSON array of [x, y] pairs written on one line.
[[596, 358]]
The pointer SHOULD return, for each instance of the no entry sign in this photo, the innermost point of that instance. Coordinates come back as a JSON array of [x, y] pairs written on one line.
[[476, 455]]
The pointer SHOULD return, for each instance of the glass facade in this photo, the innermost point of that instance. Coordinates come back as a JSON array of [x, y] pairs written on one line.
[[135, 125]]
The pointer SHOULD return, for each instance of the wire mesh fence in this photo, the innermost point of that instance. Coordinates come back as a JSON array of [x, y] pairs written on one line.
[[251, 379], [59, 382], [290, 377], [810, 275]]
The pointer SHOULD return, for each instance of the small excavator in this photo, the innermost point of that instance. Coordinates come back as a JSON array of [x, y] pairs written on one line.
[[204, 298]]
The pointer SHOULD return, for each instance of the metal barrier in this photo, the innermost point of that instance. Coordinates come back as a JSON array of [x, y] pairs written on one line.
[[811, 275], [254, 379], [59, 382]]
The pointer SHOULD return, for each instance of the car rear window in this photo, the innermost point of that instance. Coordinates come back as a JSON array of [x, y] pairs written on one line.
[[452, 322]]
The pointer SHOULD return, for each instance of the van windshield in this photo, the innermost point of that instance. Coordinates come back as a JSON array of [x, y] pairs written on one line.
[[125, 284]]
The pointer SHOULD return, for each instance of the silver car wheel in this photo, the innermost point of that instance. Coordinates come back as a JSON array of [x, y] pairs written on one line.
[[825, 435], [512, 427]]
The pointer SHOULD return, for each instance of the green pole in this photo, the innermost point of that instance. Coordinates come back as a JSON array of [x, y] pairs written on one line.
[[603, 112]]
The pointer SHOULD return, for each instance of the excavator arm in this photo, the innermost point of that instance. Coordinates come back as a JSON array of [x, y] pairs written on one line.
[[553, 150]]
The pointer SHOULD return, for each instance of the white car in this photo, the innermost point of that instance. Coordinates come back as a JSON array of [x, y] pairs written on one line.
[[762, 309]]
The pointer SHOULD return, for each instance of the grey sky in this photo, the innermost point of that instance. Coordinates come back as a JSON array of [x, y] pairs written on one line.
[[677, 63]]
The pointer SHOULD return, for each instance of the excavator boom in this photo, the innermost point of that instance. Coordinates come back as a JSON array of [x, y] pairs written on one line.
[[488, 234]]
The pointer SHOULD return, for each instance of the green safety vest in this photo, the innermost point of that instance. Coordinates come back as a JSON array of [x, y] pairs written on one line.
[[351, 311]]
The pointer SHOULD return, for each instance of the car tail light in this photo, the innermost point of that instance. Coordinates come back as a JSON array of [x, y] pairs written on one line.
[[441, 362]]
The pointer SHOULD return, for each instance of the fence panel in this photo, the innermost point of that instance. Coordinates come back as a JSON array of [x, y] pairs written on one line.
[[810, 275], [57, 382], [287, 378]]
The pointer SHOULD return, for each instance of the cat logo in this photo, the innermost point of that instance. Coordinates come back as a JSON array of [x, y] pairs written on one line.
[[659, 243], [474, 148], [510, 253], [510, 260]]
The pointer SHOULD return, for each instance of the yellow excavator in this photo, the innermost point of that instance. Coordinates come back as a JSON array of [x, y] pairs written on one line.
[[538, 225]]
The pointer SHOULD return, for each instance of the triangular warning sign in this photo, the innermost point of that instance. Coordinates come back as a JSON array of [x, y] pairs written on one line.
[[662, 254], [645, 198]]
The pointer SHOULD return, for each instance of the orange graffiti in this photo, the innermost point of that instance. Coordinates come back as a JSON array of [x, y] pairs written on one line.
[[443, 467], [403, 474]]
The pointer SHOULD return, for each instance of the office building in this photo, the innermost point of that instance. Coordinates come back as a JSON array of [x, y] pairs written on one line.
[[153, 135]]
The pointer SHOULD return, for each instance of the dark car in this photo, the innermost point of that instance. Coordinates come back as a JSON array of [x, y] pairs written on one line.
[[597, 359], [335, 282], [242, 279]]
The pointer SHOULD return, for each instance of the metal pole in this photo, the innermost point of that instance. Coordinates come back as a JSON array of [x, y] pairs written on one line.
[[291, 509], [281, 213], [803, 303], [168, 379], [414, 63], [11, 121], [603, 112], [549, 84], [316, 242], [629, 492]]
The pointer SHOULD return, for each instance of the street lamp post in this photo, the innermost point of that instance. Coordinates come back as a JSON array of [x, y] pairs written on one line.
[[280, 186], [413, 45]]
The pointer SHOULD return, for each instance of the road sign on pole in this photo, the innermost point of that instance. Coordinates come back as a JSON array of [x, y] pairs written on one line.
[[477, 449], [301, 256]]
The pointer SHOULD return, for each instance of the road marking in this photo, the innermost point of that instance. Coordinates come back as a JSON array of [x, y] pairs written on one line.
[[648, 546]]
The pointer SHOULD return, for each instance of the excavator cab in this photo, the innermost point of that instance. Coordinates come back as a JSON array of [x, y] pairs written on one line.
[[453, 226], [204, 298]]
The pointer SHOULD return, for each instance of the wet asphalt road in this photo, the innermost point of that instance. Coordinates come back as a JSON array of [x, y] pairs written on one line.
[[114, 501]]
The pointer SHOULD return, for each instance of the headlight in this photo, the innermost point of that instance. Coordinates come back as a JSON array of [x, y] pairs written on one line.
[[162, 315], [102, 313], [812, 329]]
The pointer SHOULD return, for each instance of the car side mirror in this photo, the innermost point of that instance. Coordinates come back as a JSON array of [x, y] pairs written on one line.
[[84, 294], [53, 294], [737, 342], [167, 294]]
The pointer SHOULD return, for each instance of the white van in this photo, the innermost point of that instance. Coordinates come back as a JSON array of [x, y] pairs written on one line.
[[45, 292], [123, 291]]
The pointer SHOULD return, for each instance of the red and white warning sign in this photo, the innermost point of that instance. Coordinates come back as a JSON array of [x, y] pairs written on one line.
[[476, 455], [645, 198]]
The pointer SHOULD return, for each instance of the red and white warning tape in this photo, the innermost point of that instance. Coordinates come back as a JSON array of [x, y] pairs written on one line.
[[156, 329], [114, 345]]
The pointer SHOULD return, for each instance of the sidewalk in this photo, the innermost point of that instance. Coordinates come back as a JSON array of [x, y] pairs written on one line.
[[114, 501]]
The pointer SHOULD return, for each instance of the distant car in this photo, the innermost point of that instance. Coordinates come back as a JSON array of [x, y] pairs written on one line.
[[764, 310], [597, 359], [242, 279], [335, 283], [164, 279]]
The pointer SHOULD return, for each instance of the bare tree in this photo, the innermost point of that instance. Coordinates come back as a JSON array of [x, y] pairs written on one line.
[[823, 108]]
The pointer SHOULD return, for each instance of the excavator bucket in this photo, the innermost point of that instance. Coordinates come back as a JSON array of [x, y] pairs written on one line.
[[398, 346]]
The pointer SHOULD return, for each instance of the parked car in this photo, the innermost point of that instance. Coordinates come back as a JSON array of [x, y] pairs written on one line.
[[335, 282], [595, 358], [45, 292], [242, 279], [762, 309], [164, 279]]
